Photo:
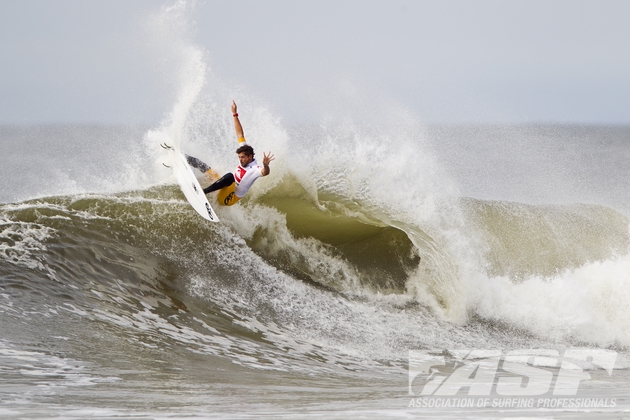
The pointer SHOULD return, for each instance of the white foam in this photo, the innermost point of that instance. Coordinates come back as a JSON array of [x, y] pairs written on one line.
[[22, 244], [50, 371], [588, 304]]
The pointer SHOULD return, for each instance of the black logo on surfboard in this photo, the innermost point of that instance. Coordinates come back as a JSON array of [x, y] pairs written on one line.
[[209, 211]]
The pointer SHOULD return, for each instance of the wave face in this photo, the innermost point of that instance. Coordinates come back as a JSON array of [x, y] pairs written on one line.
[[362, 244], [312, 268], [133, 288]]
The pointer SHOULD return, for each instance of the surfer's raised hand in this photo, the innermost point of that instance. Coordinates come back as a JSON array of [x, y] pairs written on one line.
[[237, 124], [267, 158]]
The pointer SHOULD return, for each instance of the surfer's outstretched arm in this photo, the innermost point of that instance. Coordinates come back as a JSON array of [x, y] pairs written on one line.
[[267, 158], [237, 124]]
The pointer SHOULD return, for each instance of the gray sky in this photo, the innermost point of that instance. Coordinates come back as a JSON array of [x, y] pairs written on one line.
[[568, 61]]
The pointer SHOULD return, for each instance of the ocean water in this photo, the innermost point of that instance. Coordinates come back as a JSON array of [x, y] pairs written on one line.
[[118, 301], [368, 241]]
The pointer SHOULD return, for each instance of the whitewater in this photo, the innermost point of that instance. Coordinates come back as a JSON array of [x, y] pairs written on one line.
[[370, 238]]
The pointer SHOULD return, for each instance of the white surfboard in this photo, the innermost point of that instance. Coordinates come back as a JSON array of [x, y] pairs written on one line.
[[190, 186]]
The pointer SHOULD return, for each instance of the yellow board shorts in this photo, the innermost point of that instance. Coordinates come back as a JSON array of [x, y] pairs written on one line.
[[225, 196]]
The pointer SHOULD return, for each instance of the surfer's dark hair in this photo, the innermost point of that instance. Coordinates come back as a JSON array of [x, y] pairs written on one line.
[[247, 149]]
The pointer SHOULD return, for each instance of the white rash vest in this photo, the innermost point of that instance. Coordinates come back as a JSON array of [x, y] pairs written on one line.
[[245, 177]]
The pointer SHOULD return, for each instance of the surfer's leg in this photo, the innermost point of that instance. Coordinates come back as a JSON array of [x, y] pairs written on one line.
[[226, 196], [225, 181], [196, 163]]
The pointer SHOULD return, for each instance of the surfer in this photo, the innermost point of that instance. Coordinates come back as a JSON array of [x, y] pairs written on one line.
[[233, 186]]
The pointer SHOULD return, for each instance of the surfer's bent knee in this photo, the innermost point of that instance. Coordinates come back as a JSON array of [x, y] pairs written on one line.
[[226, 181]]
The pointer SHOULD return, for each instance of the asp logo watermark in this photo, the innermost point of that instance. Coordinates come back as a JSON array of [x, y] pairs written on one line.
[[514, 373]]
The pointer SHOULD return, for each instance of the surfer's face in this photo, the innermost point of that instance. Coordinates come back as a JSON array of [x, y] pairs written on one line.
[[245, 159]]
